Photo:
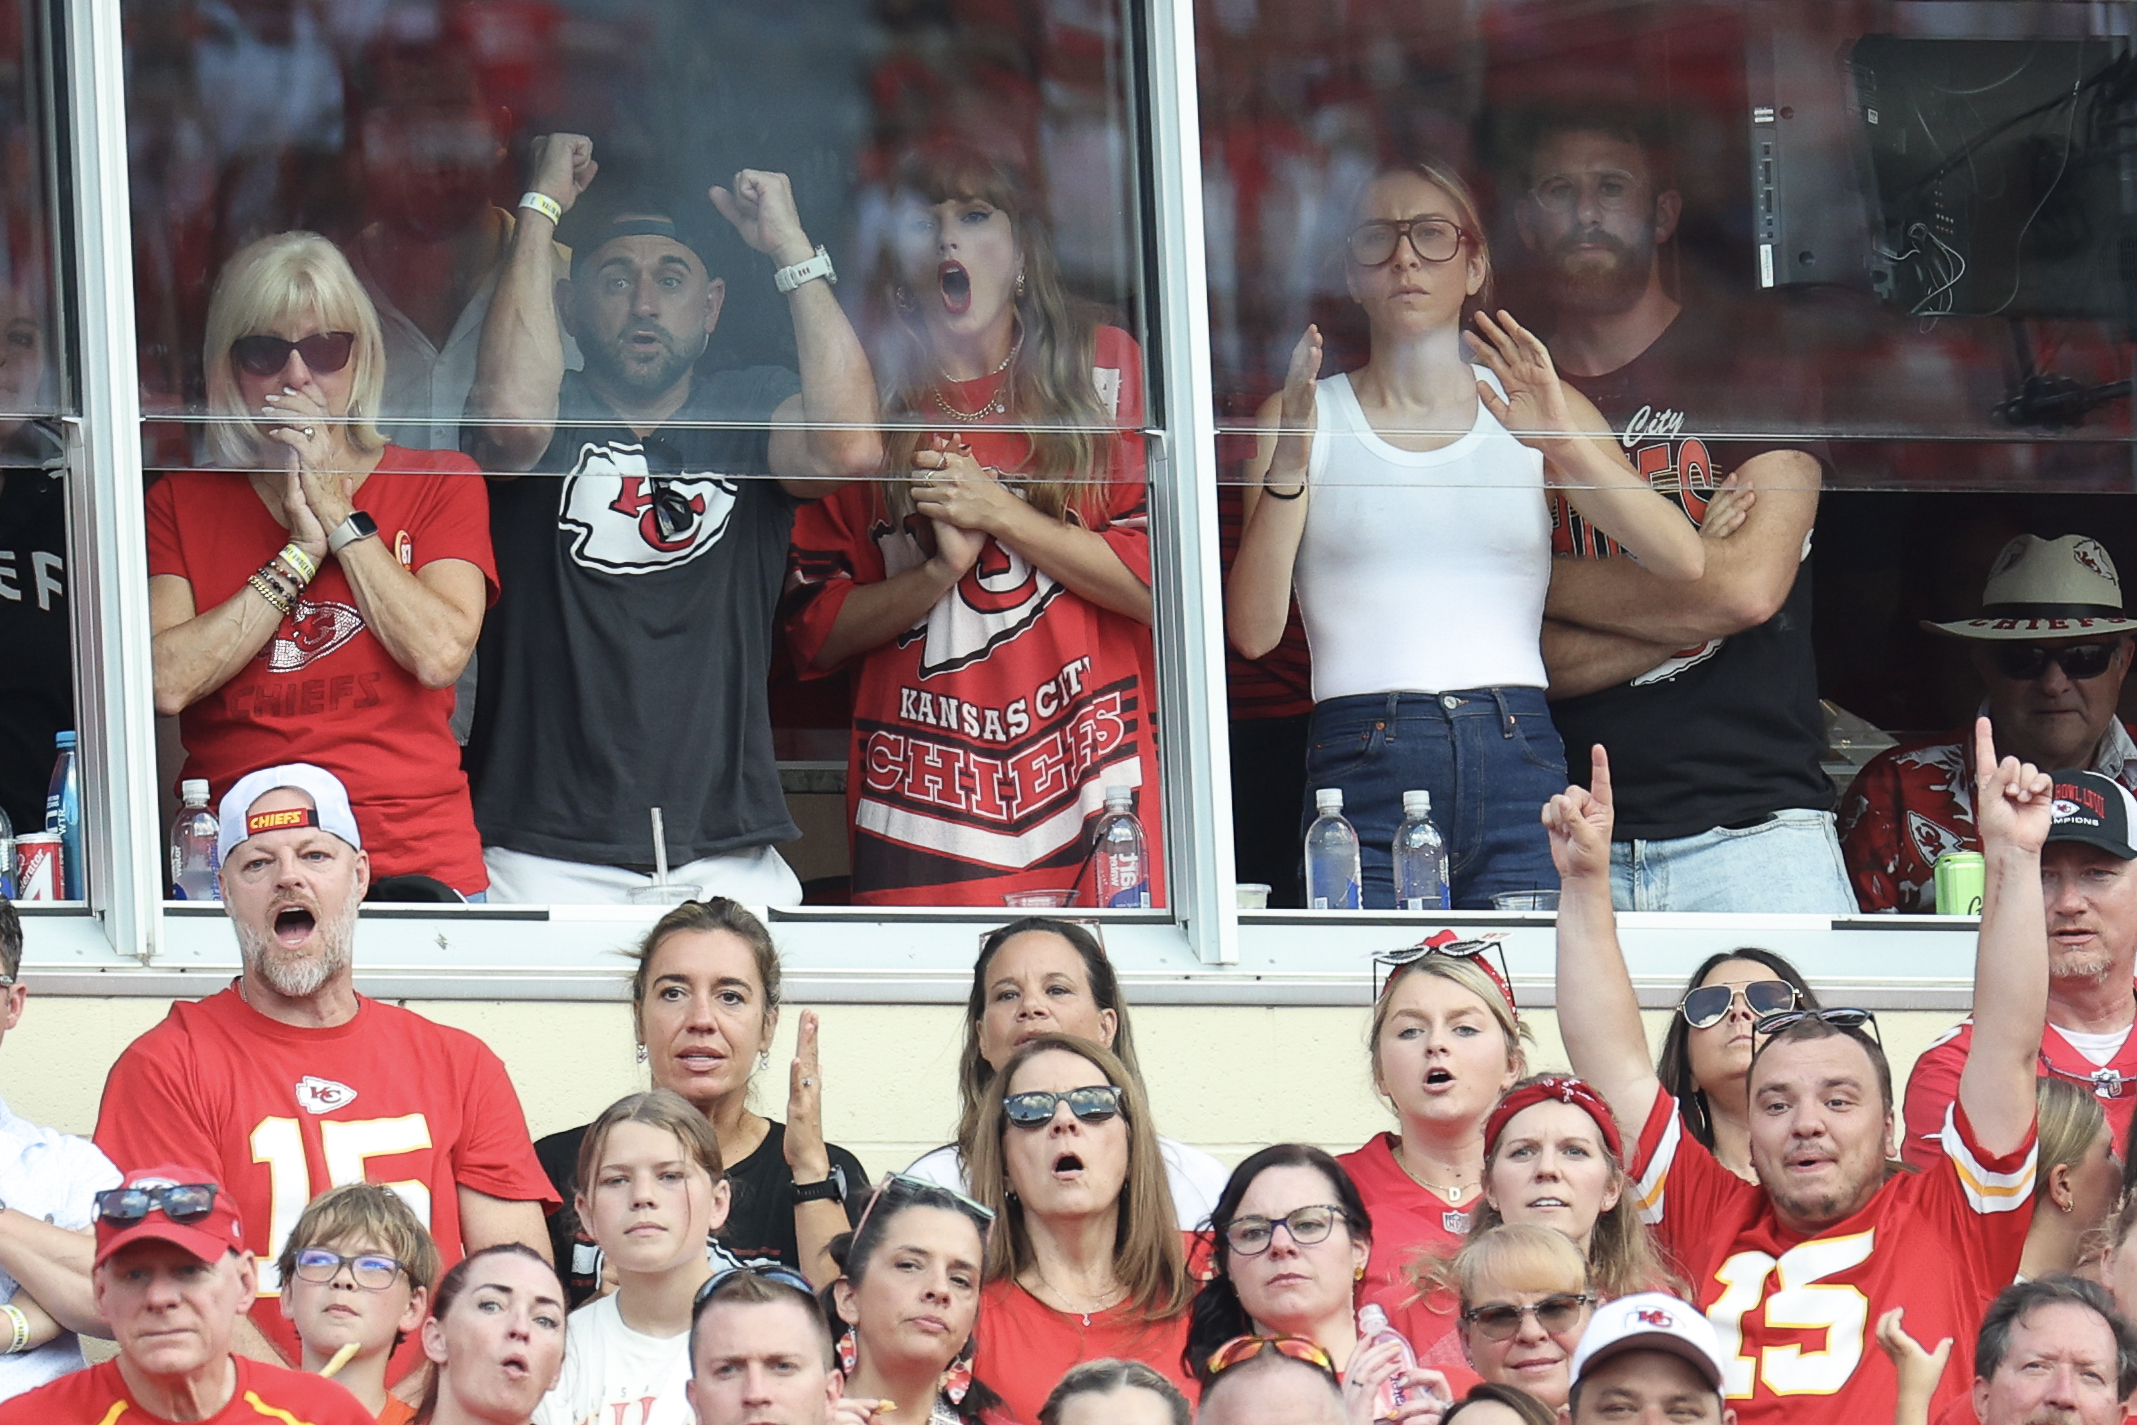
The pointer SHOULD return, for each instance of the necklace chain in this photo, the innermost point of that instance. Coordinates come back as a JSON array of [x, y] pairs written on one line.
[[999, 406], [1068, 1302], [1454, 1192]]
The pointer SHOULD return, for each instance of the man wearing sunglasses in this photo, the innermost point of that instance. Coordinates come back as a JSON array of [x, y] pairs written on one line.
[[624, 666], [1793, 1268], [2052, 647], [173, 1279]]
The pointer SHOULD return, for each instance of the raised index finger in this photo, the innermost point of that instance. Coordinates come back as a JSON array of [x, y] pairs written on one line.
[[1984, 754], [1599, 774]]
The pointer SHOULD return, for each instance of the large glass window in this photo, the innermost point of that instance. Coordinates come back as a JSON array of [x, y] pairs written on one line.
[[849, 585]]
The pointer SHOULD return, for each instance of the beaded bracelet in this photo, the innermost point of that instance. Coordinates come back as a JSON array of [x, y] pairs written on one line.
[[275, 598]]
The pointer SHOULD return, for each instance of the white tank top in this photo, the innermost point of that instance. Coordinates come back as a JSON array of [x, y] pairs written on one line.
[[1421, 571]]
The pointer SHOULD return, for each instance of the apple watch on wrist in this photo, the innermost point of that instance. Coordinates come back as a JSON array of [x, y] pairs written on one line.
[[357, 526], [787, 278]]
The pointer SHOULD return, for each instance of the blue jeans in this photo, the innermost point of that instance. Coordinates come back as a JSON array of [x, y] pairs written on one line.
[[1788, 863], [1489, 756]]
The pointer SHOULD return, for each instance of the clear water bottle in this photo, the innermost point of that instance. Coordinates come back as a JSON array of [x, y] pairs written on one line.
[[1122, 854], [1332, 873], [1373, 1328], [7, 858], [196, 852], [63, 814], [1420, 854]]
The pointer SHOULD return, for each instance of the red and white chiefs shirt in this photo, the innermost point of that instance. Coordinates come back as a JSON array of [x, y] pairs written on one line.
[[1934, 1085], [1914, 802], [1795, 1313], [985, 735], [280, 1114]]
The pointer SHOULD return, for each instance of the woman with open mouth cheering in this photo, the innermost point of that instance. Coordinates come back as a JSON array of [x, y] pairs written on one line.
[[993, 589], [494, 1337]]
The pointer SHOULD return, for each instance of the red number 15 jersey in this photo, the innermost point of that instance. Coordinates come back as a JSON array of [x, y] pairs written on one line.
[[1796, 1313]]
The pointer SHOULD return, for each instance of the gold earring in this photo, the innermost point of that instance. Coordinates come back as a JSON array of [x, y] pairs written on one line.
[[1020, 284], [1357, 1274]]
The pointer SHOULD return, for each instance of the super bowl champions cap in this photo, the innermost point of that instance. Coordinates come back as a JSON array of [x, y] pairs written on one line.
[[2095, 809], [329, 810], [1650, 1321]]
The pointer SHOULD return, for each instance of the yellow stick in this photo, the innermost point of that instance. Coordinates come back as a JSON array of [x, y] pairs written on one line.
[[341, 1358]]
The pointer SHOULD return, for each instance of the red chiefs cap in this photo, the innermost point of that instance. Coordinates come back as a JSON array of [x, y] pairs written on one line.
[[133, 1212]]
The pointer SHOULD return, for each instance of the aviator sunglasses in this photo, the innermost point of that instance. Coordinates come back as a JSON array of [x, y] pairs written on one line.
[[1708, 1005], [2023, 662], [1094, 1104], [323, 352], [1839, 1018]]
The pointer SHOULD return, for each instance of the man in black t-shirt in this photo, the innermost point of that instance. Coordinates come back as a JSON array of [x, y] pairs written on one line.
[[624, 666], [1705, 695]]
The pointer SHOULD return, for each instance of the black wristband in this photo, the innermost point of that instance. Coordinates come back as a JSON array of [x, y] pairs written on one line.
[[1295, 494], [831, 1189]]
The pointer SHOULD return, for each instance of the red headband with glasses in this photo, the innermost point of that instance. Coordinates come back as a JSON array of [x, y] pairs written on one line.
[[1447, 943], [1554, 1088]]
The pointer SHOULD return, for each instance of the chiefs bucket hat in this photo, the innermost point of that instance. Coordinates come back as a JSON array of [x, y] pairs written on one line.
[[1650, 1321], [329, 810], [2095, 809], [2047, 588], [176, 1204]]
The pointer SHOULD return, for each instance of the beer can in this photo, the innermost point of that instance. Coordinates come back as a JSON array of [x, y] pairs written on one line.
[[37, 872], [1961, 876]]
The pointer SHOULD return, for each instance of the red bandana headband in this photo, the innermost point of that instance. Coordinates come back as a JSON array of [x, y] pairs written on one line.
[[1554, 1088]]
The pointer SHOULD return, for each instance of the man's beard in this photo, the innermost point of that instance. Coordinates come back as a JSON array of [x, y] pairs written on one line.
[[1604, 290], [1823, 1206], [607, 362], [2081, 967], [299, 976]]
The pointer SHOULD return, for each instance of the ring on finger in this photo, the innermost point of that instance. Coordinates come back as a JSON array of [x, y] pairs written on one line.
[[808, 1083], [309, 432]]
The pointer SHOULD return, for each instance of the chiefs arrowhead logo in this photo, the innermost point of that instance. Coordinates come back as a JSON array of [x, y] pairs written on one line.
[[1651, 1316], [316, 1095], [315, 630]]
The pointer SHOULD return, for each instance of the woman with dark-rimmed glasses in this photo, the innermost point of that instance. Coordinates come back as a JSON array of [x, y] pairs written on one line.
[[1085, 1260], [313, 597], [1426, 469], [1706, 1055]]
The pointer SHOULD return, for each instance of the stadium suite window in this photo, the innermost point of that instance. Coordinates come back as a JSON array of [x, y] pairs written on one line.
[[973, 176]]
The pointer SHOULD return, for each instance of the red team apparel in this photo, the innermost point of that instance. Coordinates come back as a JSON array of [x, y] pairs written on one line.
[[325, 690], [283, 1114], [266, 1395], [1025, 1346], [984, 737], [1795, 1313], [1410, 1222], [1934, 1084]]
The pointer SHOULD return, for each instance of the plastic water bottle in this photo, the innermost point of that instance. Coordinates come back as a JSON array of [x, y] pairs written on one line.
[[63, 814], [1123, 856], [7, 858], [196, 852], [1332, 873], [1420, 854], [1373, 1328]]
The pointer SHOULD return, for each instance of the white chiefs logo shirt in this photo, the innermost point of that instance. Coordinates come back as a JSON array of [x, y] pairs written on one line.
[[316, 1095], [623, 519]]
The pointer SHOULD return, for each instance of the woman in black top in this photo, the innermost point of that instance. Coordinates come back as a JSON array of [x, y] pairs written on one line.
[[705, 998]]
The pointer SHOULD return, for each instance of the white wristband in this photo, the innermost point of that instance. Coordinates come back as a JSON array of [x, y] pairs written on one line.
[[21, 1325], [786, 279], [542, 203]]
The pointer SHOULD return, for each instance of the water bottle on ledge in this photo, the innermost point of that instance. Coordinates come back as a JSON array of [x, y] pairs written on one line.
[[1332, 871], [196, 852], [63, 814], [1122, 853], [1420, 854]]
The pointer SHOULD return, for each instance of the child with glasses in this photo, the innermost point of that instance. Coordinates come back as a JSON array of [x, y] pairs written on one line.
[[356, 1276]]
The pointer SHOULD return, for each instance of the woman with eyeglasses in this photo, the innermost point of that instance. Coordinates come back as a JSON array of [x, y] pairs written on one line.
[[1706, 1055], [1430, 463], [1085, 1260], [494, 1339], [651, 1192], [1044, 976], [1445, 1045], [1523, 1300], [1002, 563], [2079, 1179], [705, 998], [905, 1304], [313, 596]]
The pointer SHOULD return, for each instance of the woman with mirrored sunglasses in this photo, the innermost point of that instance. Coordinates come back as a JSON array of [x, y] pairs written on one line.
[[315, 591], [1706, 1054], [1432, 465], [1085, 1260], [1522, 1297]]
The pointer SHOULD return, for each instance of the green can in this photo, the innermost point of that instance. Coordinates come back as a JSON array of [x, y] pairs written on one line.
[[1961, 877]]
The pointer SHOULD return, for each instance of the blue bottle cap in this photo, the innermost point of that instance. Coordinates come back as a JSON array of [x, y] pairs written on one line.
[[64, 739]]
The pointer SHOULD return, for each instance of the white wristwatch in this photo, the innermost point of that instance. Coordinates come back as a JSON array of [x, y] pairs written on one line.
[[786, 279]]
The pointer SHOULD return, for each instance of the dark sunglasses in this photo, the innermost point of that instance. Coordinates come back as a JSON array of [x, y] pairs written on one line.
[[1708, 1005], [373, 1271], [324, 352], [1771, 1024], [181, 1202], [770, 1271], [2023, 662], [1554, 1314], [1252, 1236], [1095, 1104], [1432, 239], [1241, 1349]]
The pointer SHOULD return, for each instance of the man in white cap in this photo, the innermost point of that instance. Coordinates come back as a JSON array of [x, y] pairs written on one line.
[[289, 1082], [1645, 1357], [2052, 646]]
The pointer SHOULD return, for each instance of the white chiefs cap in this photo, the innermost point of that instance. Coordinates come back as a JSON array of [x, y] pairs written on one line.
[[1650, 1321], [329, 810]]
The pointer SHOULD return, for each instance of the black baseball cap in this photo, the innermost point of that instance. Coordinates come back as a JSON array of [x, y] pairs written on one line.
[[600, 217], [2096, 810]]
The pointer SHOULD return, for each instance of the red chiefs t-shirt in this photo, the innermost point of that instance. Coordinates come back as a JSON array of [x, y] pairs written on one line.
[[325, 690], [984, 737], [266, 1395], [1795, 1312], [1934, 1085], [1025, 1346], [1411, 1223], [280, 1114]]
